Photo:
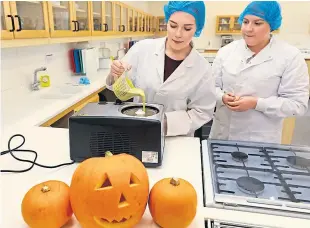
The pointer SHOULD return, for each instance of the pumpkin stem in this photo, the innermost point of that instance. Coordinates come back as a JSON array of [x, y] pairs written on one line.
[[108, 154], [174, 181], [45, 189]]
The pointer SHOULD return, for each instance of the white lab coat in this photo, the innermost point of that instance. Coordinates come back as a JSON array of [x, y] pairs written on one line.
[[277, 75], [188, 95]]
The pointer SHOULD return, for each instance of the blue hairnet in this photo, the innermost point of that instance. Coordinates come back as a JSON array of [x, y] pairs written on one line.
[[195, 8], [270, 11]]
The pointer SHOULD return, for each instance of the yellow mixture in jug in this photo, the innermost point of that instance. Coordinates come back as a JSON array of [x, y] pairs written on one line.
[[124, 90]]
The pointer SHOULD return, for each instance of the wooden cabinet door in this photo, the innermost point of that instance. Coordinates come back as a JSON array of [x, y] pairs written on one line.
[[30, 19], [81, 11], [61, 18], [109, 16], [7, 22]]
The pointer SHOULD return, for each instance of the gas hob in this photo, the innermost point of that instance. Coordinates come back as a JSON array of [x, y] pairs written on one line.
[[248, 176]]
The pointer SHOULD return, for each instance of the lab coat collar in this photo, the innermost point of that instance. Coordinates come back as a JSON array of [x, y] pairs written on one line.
[[160, 51], [160, 63], [249, 53], [264, 55]]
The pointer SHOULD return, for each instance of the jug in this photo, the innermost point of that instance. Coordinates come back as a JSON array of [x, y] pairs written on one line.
[[124, 89]]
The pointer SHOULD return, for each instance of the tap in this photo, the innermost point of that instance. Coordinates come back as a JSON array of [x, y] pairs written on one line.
[[117, 56], [36, 82]]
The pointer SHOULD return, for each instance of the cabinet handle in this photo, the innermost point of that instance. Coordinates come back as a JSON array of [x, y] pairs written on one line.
[[13, 24], [19, 23], [106, 27], [78, 26], [74, 30]]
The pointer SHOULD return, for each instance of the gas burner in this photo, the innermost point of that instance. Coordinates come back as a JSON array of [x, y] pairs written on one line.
[[250, 185], [298, 162], [239, 156]]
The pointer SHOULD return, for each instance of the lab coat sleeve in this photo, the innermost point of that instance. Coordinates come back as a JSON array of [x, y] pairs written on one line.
[[199, 111], [130, 58], [293, 92], [217, 74]]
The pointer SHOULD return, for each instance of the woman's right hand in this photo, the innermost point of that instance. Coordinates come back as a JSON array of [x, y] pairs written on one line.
[[118, 68]]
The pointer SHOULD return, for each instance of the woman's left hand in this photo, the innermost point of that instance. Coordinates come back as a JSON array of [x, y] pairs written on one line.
[[243, 104]]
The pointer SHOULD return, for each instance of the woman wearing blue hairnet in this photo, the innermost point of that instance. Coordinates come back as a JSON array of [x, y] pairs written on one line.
[[260, 80], [171, 72]]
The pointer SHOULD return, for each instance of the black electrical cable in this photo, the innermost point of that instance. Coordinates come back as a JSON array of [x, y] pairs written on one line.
[[33, 163]]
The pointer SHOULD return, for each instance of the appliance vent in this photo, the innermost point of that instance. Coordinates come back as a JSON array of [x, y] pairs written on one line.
[[217, 224], [116, 142], [227, 225]]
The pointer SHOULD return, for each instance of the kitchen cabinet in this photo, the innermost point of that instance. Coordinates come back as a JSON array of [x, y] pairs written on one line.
[[61, 19], [69, 18], [141, 22], [130, 20], [136, 21], [288, 130], [153, 23], [82, 11], [70, 21], [228, 25], [7, 21], [118, 27], [124, 24], [102, 18], [161, 28], [24, 19], [124, 18]]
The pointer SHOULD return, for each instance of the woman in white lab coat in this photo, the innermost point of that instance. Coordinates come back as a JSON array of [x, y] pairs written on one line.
[[171, 72], [260, 80]]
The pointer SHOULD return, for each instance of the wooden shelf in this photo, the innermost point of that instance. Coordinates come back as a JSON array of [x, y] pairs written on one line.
[[33, 2], [80, 11], [60, 7]]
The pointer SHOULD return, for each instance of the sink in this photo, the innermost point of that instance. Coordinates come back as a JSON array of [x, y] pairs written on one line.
[[60, 92]]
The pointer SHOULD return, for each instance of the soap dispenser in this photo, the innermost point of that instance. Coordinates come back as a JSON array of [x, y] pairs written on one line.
[[45, 80]]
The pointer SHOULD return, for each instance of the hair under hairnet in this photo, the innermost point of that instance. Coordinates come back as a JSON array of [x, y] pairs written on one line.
[[270, 11], [195, 8]]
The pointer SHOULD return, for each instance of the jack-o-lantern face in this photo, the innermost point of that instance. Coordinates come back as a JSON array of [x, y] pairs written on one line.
[[109, 192]]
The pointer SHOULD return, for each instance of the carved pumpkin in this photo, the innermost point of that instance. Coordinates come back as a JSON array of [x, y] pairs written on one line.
[[173, 203], [110, 191], [47, 205]]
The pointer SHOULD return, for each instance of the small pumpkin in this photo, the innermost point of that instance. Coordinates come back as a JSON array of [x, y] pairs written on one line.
[[47, 205], [173, 203], [110, 191]]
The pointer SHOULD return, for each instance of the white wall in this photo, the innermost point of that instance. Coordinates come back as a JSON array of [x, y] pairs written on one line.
[[142, 5], [295, 27], [18, 64]]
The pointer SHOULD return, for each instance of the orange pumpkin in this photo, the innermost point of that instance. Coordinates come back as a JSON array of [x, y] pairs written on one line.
[[173, 203], [47, 205], [110, 191]]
